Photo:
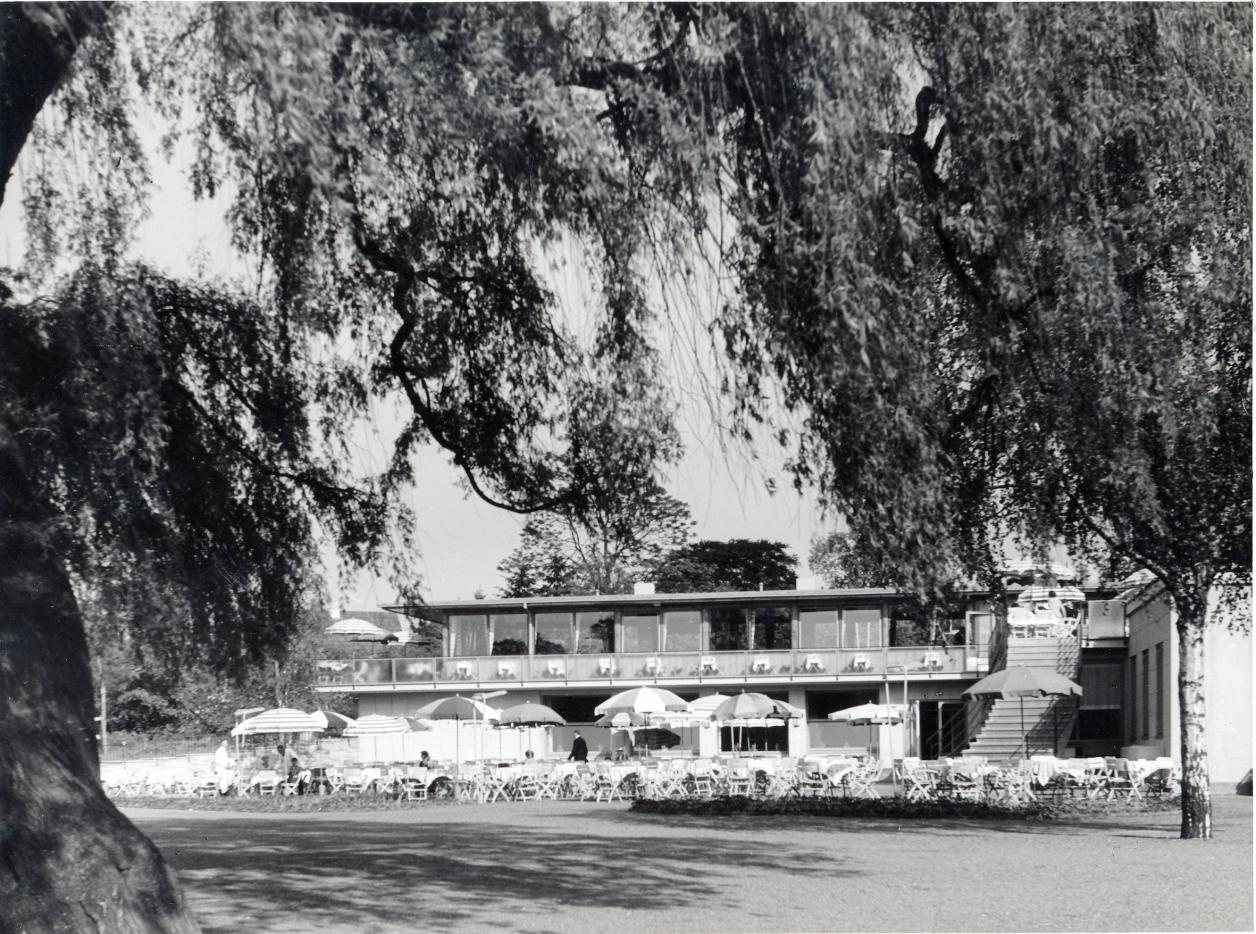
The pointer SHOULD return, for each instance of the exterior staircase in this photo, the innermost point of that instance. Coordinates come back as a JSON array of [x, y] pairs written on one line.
[[1048, 720]]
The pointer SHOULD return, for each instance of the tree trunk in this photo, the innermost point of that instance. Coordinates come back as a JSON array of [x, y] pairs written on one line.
[[37, 42], [69, 860], [1196, 793]]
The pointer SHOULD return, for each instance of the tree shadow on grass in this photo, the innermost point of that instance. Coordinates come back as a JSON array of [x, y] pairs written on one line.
[[337, 874]]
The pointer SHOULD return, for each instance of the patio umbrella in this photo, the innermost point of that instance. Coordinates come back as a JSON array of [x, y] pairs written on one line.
[[331, 720], [1021, 683], [526, 715], [641, 700], [278, 720], [376, 725], [873, 715], [355, 627], [457, 708], [752, 709]]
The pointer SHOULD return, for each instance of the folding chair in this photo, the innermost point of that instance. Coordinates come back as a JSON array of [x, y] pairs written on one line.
[[740, 781], [761, 665]]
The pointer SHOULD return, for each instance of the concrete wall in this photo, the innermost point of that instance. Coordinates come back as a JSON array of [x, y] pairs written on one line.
[[1227, 689]]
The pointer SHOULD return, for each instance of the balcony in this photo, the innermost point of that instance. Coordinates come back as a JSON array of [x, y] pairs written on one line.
[[715, 668]]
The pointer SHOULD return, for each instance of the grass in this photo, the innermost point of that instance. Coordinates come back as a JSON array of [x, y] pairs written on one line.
[[585, 868]]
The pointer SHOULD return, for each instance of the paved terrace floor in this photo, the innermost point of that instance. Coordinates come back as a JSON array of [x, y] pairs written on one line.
[[583, 867]]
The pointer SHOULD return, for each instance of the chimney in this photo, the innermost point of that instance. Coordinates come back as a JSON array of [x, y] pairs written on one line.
[[643, 588]]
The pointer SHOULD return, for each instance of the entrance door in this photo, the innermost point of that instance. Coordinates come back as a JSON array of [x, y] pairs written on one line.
[[942, 728]]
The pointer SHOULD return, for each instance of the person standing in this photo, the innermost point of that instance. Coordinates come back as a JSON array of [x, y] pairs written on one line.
[[223, 767], [579, 749]]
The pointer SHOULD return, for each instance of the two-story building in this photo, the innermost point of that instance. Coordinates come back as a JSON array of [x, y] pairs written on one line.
[[820, 650]]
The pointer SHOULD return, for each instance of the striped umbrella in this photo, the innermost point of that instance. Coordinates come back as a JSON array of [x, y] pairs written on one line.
[[753, 709], [279, 720], [331, 720], [530, 715], [641, 700], [376, 725]]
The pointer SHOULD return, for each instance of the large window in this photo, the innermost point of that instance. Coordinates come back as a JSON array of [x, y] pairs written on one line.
[[510, 633], [861, 629], [595, 632], [641, 632], [1159, 704], [553, 633], [1146, 709], [817, 629], [684, 630], [468, 634], [771, 628], [728, 629]]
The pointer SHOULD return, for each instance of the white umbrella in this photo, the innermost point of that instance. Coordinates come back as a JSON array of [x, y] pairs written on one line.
[[642, 700], [279, 720], [359, 628]]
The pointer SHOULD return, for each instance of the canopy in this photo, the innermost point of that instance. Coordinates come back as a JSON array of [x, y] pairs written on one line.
[[355, 627], [279, 720], [641, 700]]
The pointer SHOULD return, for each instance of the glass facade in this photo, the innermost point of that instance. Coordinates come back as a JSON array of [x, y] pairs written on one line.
[[553, 634], [684, 630], [468, 634], [817, 629], [510, 633], [641, 632], [595, 632], [728, 630], [861, 629], [772, 627]]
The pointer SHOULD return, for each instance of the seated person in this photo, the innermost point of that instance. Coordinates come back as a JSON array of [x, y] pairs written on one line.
[[529, 755], [425, 761]]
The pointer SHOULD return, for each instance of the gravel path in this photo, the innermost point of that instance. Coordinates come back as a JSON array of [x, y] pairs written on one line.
[[571, 867]]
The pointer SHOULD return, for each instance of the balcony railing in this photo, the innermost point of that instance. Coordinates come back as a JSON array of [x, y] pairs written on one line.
[[762, 665]]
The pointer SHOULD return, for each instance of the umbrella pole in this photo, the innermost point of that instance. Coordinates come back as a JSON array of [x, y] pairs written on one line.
[[1024, 735]]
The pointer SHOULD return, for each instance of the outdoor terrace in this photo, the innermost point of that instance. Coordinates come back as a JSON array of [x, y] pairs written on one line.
[[758, 666]]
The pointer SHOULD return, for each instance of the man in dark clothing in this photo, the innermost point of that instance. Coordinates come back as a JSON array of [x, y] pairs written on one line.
[[579, 749]]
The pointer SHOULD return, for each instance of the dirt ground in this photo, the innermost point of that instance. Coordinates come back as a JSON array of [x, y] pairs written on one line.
[[583, 867]]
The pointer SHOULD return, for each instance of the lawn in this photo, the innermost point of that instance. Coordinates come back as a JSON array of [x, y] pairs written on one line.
[[583, 867]]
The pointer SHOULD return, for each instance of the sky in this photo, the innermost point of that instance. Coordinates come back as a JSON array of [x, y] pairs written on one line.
[[460, 538]]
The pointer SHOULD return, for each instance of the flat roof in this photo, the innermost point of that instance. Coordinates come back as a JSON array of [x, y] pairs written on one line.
[[441, 611]]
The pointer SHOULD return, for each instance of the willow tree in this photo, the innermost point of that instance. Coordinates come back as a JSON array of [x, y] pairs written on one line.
[[1000, 258], [997, 256], [398, 175]]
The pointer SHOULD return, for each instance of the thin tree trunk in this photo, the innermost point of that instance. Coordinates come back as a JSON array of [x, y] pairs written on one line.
[[1196, 793], [69, 860]]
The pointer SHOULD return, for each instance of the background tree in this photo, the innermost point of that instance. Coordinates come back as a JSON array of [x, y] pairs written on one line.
[[841, 561], [738, 564], [603, 552]]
